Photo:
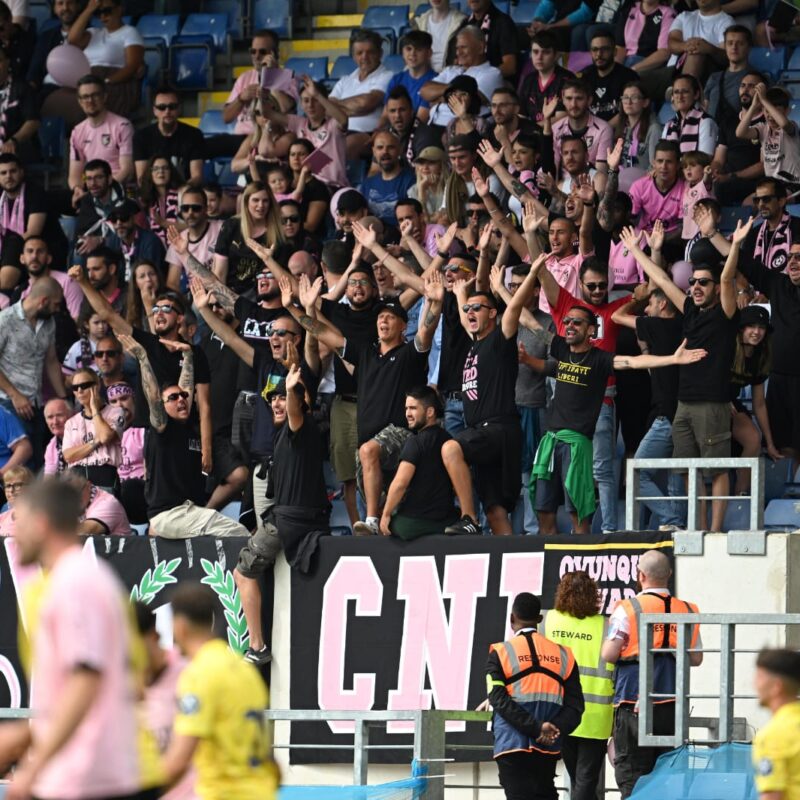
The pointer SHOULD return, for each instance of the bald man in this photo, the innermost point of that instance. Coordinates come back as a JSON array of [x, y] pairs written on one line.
[[622, 648], [391, 183], [56, 414], [302, 263], [27, 349]]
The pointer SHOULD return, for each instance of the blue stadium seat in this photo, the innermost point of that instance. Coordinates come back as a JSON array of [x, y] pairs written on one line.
[[191, 67], [233, 8], [731, 215], [53, 144], [154, 61], [666, 113], [394, 63], [211, 123], [273, 14], [737, 516], [159, 26], [226, 177], [356, 171], [793, 209], [770, 61], [523, 12], [421, 9], [201, 28], [503, 5], [40, 13], [388, 21], [782, 514], [794, 112], [69, 225], [315, 68], [342, 67]]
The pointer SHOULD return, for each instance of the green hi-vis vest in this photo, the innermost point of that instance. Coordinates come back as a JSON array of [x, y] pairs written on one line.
[[585, 638]]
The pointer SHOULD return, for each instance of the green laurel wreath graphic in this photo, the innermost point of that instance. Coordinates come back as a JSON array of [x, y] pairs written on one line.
[[221, 581], [154, 580]]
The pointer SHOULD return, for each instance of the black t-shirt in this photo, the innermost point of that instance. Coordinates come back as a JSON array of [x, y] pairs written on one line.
[[297, 472], [581, 380], [167, 368], [607, 90], [533, 96], [502, 39], [648, 38], [224, 370], [750, 375], [269, 374], [255, 324], [784, 299], [174, 467], [663, 336], [707, 380], [741, 153], [184, 146], [489, 380], [430, 493], [357, 327], [384, 379], [455, 346], [314, 191], [243, 263]]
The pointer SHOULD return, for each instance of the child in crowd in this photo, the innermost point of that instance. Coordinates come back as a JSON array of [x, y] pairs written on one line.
[[279, 179], [81, 355], [697, 174], [416, 48]]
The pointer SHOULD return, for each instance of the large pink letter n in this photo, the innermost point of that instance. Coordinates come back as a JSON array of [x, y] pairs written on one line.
[[353, 578], [432, 642]]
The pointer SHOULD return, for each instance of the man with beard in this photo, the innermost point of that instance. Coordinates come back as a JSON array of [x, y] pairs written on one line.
[[702, 423], [36, 261], [402, 121], [198, 238], [605, 77], [419, 501], [771, 241], [737, 162], [102, 270], [163, 349], [27, 350], [56, 413], [65, 12], [384, 189], [133, 242], [101, 195], [83, 671], [108, 363]]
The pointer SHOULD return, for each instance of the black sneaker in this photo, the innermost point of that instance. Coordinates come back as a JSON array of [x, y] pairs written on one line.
[[465, 525], [258, 657]]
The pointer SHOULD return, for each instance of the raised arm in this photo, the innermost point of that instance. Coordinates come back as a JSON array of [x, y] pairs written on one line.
[[744, 129], [625, 315], [494, 160], [587, 196], [727, 289], [332, 109], [294, 406], [499, 219], [431, 312], [230, 338], [368, 239], [680, 356], [521, 298], [630, 238], [186, 378], [99, 303], [265, 254], [307, 316], [605, 210], [158, 415]]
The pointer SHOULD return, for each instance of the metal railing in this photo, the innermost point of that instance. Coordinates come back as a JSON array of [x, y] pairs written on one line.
[[725, 728], [693, 466]]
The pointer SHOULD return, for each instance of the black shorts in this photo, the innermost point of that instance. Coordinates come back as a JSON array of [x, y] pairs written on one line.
[[550, 492], [494, 451], [783, 408], [226, 457]]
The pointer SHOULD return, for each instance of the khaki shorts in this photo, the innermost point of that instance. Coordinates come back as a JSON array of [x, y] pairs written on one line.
[[344, 439], [188, 520], [391, 440], [702, 430]]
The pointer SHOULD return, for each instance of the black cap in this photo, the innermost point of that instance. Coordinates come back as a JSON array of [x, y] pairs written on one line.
[[124, 208], [350, 201], [278, 391], [461, 83], [394, 308], [754, 315]]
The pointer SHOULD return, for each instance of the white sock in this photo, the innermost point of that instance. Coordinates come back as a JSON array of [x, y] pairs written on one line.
[[371, 521]]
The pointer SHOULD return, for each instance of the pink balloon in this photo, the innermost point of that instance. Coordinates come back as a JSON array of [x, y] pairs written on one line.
[[67, 64], [681, 272]]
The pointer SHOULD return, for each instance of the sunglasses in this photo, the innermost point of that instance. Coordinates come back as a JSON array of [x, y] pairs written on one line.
[[702, 281], [259, 51], [106, 353], [455, 268], [164, 309], [280, 332], [474, 307], [358, 282], [120, 218], [764, 198], [80, 387], [593, 287], [574, 321], [14, 487], [186, 207], [292, 220], [166, 106], [171, 398]]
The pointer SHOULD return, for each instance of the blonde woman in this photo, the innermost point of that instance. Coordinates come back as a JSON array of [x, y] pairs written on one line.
[[432, 173], [235, 264]]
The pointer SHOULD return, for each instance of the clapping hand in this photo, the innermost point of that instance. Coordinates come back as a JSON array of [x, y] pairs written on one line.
[[614, 155], [308, 292], [490, 156], [655, 239]]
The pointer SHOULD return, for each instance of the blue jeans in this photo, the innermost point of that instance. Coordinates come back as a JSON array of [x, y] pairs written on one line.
[[604, 448], [657, 443], [454, 416], [524, 519]]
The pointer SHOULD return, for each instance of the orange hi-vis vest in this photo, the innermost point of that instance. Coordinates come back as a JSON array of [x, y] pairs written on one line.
[[535, 670], [626, 677]]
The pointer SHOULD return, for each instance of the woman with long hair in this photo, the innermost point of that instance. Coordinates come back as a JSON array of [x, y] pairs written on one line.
[[235, 264], [637, 126], [463, 155], [143, 288], [269, 142], [158, 191], [691, 127], [751, 367], [576, 622], [316, 195]]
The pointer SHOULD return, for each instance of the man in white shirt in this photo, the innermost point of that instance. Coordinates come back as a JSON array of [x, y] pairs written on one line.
[[471, 60], [697, 36], [360, 94]]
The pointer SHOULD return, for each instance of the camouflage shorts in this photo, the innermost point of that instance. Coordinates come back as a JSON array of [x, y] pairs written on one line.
[[391, 440]]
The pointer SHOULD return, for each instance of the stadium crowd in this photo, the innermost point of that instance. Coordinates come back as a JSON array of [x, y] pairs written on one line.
[[462, 337]]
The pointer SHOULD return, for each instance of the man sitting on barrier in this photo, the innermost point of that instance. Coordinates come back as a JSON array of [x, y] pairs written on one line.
[[622, 648]]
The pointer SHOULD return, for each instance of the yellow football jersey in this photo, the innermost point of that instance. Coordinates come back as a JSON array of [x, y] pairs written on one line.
[[221, 700], [776, 753]]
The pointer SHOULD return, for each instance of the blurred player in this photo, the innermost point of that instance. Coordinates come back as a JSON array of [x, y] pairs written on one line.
[[219, 725]]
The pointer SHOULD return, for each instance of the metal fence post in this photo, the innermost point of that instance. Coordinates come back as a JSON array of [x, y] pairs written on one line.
[[360, 753], [757, 495], [691, 510], [645, 678], [727, 641], [631, 496], [429, 750], [681, 686]]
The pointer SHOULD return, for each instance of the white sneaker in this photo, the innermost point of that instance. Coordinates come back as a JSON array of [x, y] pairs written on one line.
[[367, 528]]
